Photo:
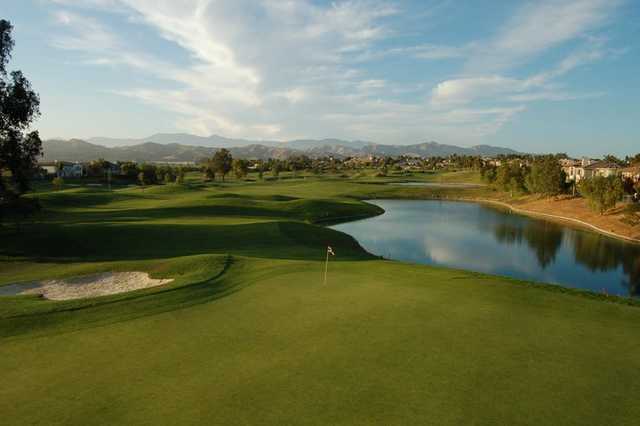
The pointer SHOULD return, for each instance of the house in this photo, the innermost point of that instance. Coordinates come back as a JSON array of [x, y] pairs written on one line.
[[49, 168], [586, 168], [631, 172], [573, 169], [71, 170], [601, 168]]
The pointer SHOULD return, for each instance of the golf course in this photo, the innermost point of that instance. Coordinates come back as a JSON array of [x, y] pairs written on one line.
[[247, 332]]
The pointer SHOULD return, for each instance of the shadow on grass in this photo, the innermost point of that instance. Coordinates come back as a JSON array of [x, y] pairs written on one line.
[[225, 207], [135, 241]]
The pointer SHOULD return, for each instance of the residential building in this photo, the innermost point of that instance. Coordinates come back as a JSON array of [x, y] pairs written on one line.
[[631, 172], [71, 170], [601, 168], [49, 168]]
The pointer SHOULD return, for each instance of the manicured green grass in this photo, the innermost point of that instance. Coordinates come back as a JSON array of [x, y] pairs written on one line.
[[248, 334]]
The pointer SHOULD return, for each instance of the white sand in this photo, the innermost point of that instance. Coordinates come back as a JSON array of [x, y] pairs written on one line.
[[85, 286]]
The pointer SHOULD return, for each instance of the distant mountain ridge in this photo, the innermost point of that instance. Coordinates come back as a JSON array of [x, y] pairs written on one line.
[[185, 148]]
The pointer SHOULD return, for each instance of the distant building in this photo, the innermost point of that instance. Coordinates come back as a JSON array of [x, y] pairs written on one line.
[[632, 172], [601, 168], [49, 168], [586, 168], [71, 170]]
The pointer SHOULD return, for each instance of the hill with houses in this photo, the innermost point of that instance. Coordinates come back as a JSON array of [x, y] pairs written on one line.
[[189, 148]]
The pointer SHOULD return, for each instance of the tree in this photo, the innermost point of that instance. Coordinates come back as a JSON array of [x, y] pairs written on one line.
[[510, 176], [260, 170], [57, 183], [546, 177], [147, 174], [240, 168], [613, 159], [129, 169], [276, 168], [628, 186], [96, 168], [601, 192], [220, 164], [488, 173], [19, 107], [180, 175]]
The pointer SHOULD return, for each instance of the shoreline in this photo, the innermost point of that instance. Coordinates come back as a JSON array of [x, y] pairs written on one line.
[[566, 220], [544, 285], [554, 217]]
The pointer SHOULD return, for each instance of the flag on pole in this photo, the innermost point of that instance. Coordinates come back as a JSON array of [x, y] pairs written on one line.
[[326, 263]]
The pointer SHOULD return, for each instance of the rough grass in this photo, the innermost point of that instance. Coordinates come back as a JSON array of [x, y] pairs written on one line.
[[247, 334]]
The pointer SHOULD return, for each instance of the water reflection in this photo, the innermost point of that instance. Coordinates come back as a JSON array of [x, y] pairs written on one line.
[[543, 238], [475, 237]]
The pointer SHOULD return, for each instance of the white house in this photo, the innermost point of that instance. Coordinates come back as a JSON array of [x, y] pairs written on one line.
[[602, 168], [632, 172], [576, 170], [71, 170], [49, 168]]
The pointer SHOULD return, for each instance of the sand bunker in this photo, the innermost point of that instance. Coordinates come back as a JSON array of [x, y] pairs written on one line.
[[85, 286]]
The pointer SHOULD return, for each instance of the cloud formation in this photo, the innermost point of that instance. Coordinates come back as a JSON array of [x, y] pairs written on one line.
[[284, 69]]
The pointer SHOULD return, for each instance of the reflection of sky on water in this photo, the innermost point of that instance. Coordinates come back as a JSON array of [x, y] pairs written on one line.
[[474, 237]]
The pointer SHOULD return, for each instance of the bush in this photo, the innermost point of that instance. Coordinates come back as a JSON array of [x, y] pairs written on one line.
[[601, 192], [546, 177], [57, 183], [510, 177]]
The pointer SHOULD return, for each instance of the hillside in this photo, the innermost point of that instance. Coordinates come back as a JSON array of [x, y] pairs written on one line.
[[163, 149]]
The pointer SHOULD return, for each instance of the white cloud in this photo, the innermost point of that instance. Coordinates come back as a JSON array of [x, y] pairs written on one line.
[[241, 65], [87, 33], [538, 27], [283, 69], [535, 28], [371, 85], [466, 90]]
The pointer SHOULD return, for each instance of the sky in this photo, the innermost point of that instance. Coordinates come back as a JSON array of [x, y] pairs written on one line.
[[536, 76]]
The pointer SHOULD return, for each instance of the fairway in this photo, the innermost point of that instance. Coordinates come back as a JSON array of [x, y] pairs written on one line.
[[246, 333]]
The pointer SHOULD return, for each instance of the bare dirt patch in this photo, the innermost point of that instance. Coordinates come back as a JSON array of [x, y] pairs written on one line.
[[85, 287], [577, 208]]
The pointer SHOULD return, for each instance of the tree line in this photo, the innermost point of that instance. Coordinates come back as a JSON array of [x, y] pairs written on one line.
[[544, 176], [19, 147]]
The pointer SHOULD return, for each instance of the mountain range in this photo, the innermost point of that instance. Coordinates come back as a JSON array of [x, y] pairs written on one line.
[[188, 148]]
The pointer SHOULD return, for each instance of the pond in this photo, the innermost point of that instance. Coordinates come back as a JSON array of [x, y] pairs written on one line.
[[479, 238], [439, 184]]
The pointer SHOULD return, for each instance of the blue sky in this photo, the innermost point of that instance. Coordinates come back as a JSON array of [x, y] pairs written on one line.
[[539, 76]]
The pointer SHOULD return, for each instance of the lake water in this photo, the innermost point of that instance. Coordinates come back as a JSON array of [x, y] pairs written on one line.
[[480, 238], [439, 184]]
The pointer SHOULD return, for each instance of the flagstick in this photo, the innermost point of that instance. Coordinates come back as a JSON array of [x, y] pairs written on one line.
[[326, 268]]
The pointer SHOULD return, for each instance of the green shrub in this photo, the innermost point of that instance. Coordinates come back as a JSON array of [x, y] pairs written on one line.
[[57, 183], [602, 193]]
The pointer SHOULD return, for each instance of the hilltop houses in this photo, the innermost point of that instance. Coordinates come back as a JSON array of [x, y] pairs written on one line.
[[586, 168], [632, 173]]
